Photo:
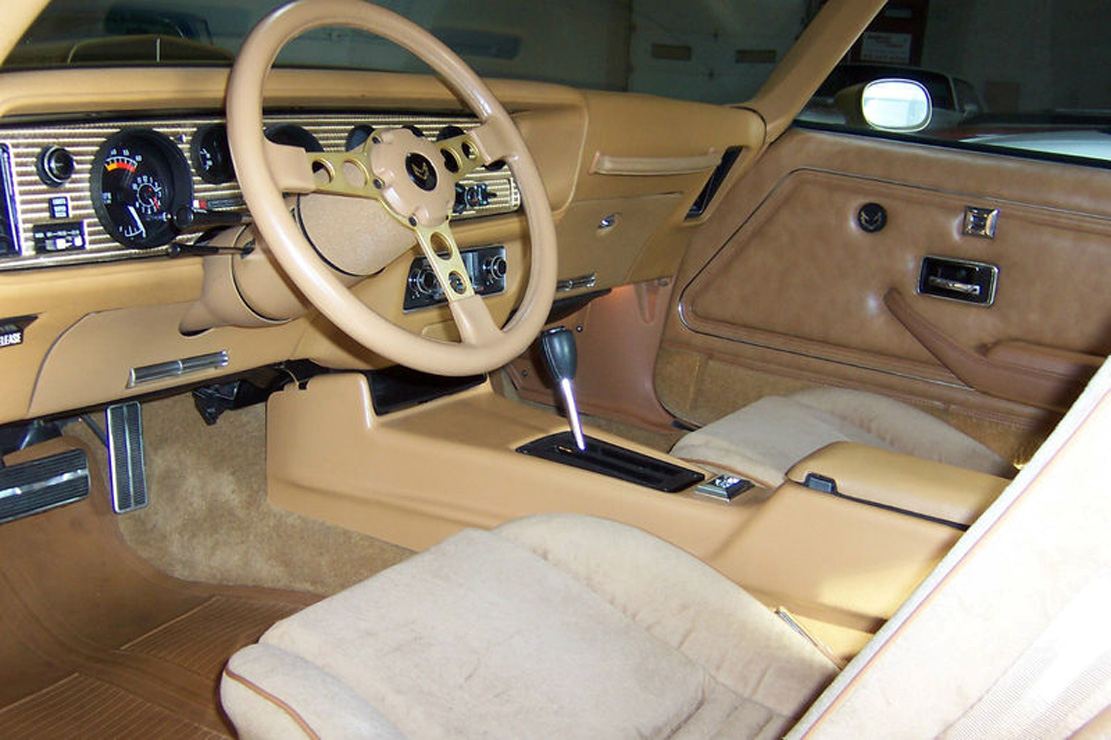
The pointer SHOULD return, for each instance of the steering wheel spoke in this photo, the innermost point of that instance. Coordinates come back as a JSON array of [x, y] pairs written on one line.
[[345, 173], [462, 155], [438, 245], [472, 317], [476, 325], [289, 168], [492, 141]]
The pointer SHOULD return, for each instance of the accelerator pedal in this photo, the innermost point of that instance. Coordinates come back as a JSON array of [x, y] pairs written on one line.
[[38, 485], [125, 456]]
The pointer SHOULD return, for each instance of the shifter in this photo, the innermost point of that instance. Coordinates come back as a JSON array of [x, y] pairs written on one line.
[[558, 347]]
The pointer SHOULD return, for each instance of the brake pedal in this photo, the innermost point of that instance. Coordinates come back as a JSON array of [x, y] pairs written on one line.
[[38, 485], [125, 456]]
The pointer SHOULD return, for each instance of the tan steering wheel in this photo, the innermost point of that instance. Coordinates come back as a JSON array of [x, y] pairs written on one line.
[[411, 178]]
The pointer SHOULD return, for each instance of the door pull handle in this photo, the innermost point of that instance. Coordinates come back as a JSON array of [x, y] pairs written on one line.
[[958, 280], [954, 285]]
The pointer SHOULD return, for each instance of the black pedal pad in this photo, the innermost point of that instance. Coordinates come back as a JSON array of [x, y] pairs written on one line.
[[38, 485], [125, 457]]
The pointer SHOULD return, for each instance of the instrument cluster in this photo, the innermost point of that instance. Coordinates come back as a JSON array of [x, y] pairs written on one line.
[[109, 190], [139, 180]]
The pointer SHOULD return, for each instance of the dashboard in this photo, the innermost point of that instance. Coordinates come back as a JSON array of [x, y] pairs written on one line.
[[107, 190], [93, 301]]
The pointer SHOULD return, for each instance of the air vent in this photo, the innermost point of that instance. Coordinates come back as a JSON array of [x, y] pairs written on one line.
[[8, 232], [716, 179]]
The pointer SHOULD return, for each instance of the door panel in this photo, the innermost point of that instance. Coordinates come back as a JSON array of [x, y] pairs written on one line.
[[786, 282]]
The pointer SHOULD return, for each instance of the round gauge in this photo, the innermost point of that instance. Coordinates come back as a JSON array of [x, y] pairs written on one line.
[[139, 180], [357, 136], [291, 134], [449, 132], [211, 154]]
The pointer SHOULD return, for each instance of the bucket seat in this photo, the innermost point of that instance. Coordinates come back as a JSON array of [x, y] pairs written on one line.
[[764, 439], [553, 626]]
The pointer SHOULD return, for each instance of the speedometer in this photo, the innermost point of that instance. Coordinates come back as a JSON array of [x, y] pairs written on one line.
[[138, 181]]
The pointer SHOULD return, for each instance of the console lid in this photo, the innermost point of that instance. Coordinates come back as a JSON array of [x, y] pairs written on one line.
[[892, 480]]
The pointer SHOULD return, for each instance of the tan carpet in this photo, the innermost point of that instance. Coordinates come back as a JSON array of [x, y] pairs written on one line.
[[208, 518], [662, 441], [97, 644], [702, 390]]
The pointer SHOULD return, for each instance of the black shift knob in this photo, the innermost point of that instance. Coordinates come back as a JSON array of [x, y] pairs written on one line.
[[558, 346]]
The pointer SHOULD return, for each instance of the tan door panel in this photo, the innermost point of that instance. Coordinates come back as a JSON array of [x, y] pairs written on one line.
[[785, 279]]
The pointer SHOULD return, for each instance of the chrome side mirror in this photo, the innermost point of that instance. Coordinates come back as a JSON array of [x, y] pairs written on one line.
[[896, 105]]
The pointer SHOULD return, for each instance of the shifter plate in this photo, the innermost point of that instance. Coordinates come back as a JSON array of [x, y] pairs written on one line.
[[614, 461]]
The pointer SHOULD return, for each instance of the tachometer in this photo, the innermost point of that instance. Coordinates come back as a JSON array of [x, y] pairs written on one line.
[[138, 181]]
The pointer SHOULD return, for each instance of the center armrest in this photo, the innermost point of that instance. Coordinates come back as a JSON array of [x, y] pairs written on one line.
[[905, 483]]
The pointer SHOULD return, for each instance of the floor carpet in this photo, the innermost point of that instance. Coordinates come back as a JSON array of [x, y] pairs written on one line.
[[209, 519], [95, 642]]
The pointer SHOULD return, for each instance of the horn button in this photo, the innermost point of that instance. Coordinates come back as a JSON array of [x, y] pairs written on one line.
[[413, 186], [421, 171]]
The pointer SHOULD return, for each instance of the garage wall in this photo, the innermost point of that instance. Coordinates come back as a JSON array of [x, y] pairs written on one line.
[[1024, 54], [711, 50], [715, 51]]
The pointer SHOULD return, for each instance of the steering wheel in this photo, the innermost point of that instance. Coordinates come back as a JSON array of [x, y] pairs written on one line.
[[410, 178]]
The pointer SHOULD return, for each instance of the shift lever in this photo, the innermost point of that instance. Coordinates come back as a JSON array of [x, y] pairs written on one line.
[[558, 347]]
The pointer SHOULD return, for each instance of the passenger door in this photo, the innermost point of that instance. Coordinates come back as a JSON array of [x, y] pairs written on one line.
[[864, 262]]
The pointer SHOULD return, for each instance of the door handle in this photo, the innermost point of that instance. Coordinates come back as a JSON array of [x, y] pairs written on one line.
[[955, 286], [958, 280]]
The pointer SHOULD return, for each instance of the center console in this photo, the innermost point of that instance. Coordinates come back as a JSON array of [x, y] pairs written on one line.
[[841, 559], [904, 484]]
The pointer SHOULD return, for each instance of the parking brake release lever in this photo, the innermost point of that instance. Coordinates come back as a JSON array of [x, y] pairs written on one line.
[[558, 348]]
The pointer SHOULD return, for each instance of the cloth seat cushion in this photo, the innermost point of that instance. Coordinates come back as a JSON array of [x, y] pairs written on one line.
[[553, 626], [764, 439]]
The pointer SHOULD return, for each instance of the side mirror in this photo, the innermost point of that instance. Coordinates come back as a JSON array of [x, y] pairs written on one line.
[[898, 105]]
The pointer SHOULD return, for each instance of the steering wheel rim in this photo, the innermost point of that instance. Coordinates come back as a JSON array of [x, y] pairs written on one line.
[[484, 346]]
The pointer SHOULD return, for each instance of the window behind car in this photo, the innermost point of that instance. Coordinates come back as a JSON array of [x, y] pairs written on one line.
[[1022, 77]]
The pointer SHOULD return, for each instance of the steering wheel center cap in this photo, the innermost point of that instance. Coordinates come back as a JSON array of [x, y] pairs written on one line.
[[421, 171], [411, 185]]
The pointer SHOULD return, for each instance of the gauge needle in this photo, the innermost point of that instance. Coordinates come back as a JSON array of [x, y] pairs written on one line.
[[138, 221]]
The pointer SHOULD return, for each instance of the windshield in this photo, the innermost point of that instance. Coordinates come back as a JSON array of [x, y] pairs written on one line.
[[634, 45], [1029, 76]]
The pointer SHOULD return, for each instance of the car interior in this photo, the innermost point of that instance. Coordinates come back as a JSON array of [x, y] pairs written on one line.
[[432, 402]]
